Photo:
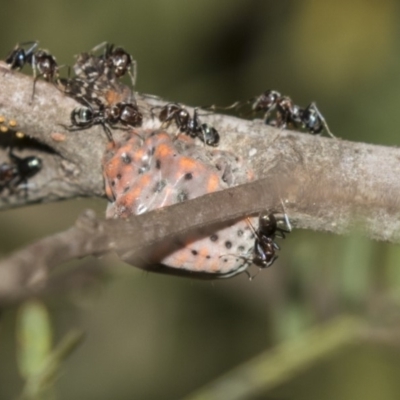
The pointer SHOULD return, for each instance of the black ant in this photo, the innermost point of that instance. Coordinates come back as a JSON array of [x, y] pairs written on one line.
[[191, 126], [120, 61], [18, 171], [264, 247], [114, 62], [42, 62], [288, 113], [127, 114]]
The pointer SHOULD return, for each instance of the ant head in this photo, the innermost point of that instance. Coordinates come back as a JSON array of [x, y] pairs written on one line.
[[121, 61], [312, 119], [267, 220]]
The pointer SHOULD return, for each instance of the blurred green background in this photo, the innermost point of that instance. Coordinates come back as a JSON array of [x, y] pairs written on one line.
[[159, 337]]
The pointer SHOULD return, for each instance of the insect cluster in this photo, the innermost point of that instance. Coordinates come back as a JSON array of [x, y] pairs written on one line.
[[153, 169], [96, 86]]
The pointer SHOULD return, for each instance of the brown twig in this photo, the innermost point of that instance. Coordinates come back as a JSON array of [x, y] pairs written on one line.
[[326, 184]]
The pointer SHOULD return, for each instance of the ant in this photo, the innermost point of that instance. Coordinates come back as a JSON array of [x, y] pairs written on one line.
[[42, 62], [18, 171], [127, 114], [191, 126], [264, 247], [288, 113], [115, 61]]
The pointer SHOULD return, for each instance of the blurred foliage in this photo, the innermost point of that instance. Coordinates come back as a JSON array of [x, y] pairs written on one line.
[[151, 336], [38, 363]]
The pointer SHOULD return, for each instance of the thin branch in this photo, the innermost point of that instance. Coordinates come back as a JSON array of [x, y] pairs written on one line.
[[323, 164], [277, 366], [326, 184], [138, 236]]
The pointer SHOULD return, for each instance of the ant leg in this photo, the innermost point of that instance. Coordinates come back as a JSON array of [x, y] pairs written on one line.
[[151, 96], [249, 276], [288, 227], [12, 156], [272, 261], [286, 218], [73, 128], [177, 133], [99, 46], [34, 44], [321, 117], [107, 130], [35, 76], [33, 88], [153, 115], [126, 128], [235, 105], [133, 73]]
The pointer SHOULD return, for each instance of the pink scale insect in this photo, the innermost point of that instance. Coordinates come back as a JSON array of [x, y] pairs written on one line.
[[153, 170]]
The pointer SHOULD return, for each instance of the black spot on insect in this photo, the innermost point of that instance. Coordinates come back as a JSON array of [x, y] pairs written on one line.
[[240, 232], [126, 189], [208, 257], [214, 237], [113, 183], [194, 252], [228, 244], [126, 158], [158, 164], [119, 176], [188, 176], [241, 249]]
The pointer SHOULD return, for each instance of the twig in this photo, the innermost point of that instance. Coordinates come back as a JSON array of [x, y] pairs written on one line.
[[327, 184], [133, 238], [274, 367]]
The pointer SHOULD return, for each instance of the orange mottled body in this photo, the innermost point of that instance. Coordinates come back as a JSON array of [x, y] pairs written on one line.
[[153, 170]]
